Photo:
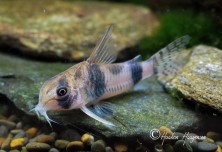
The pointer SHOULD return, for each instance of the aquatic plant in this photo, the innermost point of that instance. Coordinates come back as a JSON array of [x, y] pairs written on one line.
[[174, 24]]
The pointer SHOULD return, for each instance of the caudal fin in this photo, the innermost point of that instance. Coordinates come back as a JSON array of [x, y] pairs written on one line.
[[170, 59]]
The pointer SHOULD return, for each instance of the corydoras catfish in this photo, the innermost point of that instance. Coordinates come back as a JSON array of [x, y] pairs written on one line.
[[90, 82]]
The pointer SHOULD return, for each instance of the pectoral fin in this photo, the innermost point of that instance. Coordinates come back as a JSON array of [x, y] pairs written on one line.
[[96, 117], [103, 109]]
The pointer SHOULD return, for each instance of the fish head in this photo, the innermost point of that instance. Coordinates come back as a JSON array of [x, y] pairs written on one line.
[[58, 93]]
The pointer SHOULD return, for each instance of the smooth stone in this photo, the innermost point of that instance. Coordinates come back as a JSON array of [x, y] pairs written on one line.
[[158, 148], [209, 140], [6, 144], [10, 125], [45, 139], [182, 146], [31, 132], [15, 150], [13, 118], [75, 146], [20, 135], [61, 144], [218, 149], [108, 149], [2, 139], [17, 143], [3, 131], [19, 125], [193, 143], [54, 150], [54, 134], [16, 131], [24, 149], [164, 131], [206, 147], [37, 147], [201, 78], [213, 135], [168, 148], [70, 135], [219, 143], [179, 135], [87, 139], [98, 146], [47, 33]]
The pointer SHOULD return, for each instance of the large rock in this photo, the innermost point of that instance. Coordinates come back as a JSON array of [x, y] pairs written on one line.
[[201, 79], [137, 112], [69, 30]]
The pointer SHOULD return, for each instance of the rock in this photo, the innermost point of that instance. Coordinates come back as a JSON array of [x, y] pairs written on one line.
[[19, 125], [8, 124], [13, 118], [61, 144], [3, 131], [87, 139], [209, 140], [219, 143], [16, 131], [54, 135], [206, 147], [168, 148], [53, 150], [45, 139], [37, 147], [1, 141], [98, 146], [69, 30], [15, 150], [218, 149], [193, 143], [155, 108], [164, 131], [31, 132], [6, 144], [200, 80], [20, 135], [182, 146], [109, 149], [24, 149], [17, 143], [179, 135], [158, 148], [213, 135], [74, 146], [70, 135]]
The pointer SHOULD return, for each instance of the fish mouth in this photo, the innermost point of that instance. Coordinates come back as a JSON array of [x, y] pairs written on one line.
[[42, 111]]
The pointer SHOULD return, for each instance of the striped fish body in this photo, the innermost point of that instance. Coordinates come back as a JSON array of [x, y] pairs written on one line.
[[98, 78], [107, 80]]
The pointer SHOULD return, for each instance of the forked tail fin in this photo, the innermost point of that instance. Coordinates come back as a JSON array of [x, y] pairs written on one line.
[[170, 59]]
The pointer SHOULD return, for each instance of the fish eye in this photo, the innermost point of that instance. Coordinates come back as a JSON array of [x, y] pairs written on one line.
[[61, 91]]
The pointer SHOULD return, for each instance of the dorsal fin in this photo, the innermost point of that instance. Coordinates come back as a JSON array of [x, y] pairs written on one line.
[[137, 58], [103, 53]]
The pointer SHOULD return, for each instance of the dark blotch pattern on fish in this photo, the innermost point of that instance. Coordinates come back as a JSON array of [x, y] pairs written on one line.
[[97, 80], [115, 69], [136, 72], [64, 102], [62, 82], [78, 73]]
